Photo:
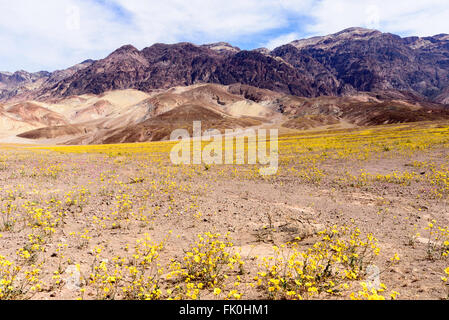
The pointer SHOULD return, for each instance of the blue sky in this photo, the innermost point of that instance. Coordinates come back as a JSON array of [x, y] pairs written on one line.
[[55, 34]]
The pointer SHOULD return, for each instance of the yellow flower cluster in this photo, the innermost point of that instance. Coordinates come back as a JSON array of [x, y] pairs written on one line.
[[207, 265], [341, 255], [372, 293], [17, 281], [136, 277], [438, 243]]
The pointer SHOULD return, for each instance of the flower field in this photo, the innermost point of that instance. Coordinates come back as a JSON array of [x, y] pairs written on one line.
[[123, 222]]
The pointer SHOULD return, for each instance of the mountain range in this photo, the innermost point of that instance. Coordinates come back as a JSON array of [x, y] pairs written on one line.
[[354, 77]]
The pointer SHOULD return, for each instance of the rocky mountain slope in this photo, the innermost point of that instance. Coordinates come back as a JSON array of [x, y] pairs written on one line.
[[21, 85], [344, 63], [13, 84]]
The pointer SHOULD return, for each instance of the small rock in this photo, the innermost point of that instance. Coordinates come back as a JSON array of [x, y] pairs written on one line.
[[73, 279]]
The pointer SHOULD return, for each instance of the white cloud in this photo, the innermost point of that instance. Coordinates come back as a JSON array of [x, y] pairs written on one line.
[[58, 33], [52, 34], [170, 20], [407, 17], [47, 34], [282, 39]]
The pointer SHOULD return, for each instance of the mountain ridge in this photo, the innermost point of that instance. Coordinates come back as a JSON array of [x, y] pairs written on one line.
[[339, 64]]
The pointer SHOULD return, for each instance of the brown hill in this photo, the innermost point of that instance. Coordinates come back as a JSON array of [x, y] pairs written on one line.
[[134, 116], [34, 114], [161, 126], [361, 110], [152, 118]]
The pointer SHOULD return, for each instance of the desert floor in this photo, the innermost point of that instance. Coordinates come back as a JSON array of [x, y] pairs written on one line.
[[123, 222]]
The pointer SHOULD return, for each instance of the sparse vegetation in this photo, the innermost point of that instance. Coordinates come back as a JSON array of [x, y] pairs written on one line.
[[122, 222]]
